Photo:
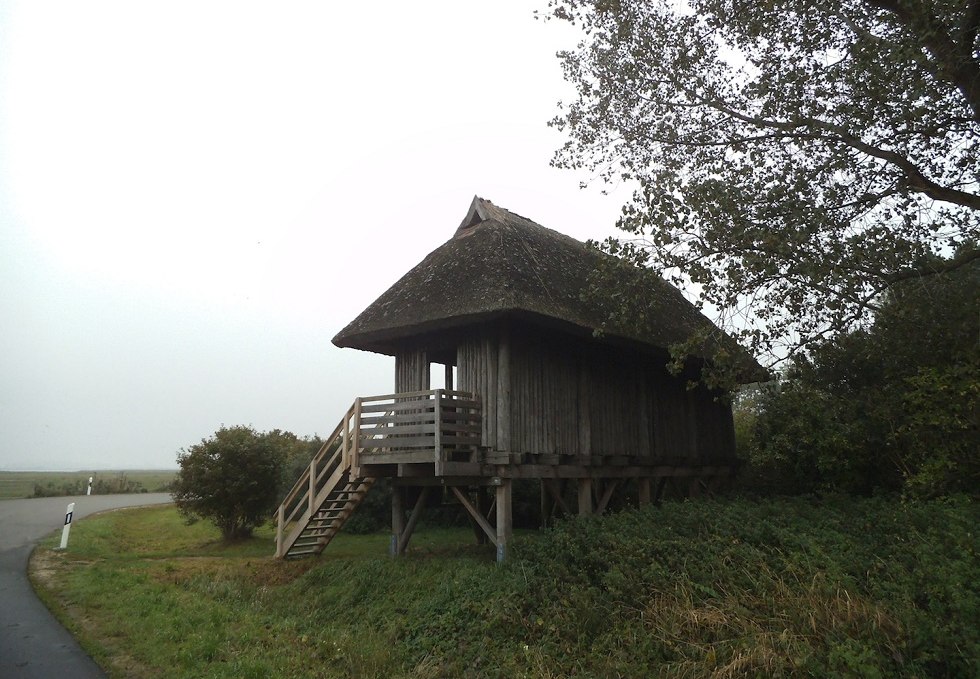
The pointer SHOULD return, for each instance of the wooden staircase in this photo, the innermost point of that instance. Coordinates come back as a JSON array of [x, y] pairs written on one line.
[[325, 495], [435, 428]]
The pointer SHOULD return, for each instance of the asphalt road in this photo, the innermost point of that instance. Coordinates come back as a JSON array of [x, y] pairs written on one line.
[[33, 645]]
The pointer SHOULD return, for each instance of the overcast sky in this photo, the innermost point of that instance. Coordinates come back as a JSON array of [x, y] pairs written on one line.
[[195, 197]]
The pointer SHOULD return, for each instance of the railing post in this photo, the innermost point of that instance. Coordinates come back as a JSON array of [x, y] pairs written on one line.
[[279, 527], [312, 486], [356, 435], [344, 441], [437, 443]]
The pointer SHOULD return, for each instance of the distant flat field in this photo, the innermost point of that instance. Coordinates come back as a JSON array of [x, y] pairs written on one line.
[[21, 484]]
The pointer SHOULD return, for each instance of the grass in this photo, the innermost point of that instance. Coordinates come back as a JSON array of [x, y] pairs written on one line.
[[800, 587], [22, 484]]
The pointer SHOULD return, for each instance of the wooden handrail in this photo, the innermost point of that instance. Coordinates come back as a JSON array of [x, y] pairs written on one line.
[[342, 449]]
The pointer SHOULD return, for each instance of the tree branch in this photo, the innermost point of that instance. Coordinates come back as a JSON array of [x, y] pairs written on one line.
[[946, 266], [955, 64], [970, 26], [916, 180]]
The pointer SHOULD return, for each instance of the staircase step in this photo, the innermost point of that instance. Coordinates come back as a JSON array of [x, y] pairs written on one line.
[[329, 518]]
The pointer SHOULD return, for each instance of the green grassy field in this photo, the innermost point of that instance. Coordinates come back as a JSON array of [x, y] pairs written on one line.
[[21, 484], [778, 588]]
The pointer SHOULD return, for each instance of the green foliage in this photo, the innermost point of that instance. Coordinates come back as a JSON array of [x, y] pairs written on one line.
[[298, 453], [794, 160], [104, 483], [233, 478], [781, 588], [894, 407]]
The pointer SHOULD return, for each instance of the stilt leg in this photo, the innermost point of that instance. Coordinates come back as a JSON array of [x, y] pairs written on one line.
[[505, 519]]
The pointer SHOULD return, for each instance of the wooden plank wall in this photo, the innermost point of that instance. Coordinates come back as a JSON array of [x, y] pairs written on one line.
[[411, 371], [476, 372], [544, 394], [573, 397]]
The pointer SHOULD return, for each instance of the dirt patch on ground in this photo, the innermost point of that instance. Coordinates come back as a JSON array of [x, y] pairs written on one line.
[[258, 572], [45, 564]]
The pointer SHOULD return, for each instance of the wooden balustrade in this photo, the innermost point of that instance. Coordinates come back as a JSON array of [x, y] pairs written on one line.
[[422, 426]]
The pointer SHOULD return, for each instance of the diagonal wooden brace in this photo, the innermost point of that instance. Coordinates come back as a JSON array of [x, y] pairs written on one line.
[[473, 512]]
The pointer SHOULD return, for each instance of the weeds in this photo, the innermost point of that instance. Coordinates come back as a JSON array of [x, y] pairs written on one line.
[[796, 587]]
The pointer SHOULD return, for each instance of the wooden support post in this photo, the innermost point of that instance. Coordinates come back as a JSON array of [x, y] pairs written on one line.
[[505, 519], [356, 452], [644, 491], [397, 518], [584, 497], [694, 488], [607, 491], [413, 520], [544, 505], [449, 377], [555, 490], [345, 441], [481, 523]]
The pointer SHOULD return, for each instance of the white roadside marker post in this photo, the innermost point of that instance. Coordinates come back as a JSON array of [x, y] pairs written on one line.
[[89, 486], [64, 531]]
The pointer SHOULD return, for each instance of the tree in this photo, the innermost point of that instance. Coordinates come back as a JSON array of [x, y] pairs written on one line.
[[232, 478], [891, 407], [794, 160]]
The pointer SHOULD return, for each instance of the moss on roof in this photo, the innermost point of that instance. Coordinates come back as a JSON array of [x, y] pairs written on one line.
[[498, 263]]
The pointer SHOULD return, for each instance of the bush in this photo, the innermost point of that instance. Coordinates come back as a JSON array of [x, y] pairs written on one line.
[[887, 408], [232, 479]]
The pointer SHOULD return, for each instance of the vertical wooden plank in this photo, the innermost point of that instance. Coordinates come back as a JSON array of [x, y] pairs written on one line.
[[643, 417], [489, 358], [345, 442], [503, 391], [437, 414], [692, 423], [448, 382], [505, 518], [584, 410], [355, 461]]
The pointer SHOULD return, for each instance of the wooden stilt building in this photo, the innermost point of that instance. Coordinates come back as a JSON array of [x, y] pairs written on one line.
[[532, 391]]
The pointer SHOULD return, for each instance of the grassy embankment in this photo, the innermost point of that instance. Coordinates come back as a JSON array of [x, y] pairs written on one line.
[[837, 587], [22, 484]]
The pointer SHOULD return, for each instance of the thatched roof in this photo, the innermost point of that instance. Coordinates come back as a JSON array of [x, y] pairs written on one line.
[[501, 264]]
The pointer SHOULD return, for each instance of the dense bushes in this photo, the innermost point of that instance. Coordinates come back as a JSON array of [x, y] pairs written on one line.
[[793, 587], [893, 407], [100, 486]]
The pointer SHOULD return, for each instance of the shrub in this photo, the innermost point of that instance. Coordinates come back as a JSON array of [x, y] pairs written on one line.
[[232, 479]]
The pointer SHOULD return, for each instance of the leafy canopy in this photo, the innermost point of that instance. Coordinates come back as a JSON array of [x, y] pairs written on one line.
[[233, 478], [794, 160], [892, 407]]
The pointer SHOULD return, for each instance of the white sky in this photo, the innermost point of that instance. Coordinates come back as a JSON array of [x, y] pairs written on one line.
[[195, 197]]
